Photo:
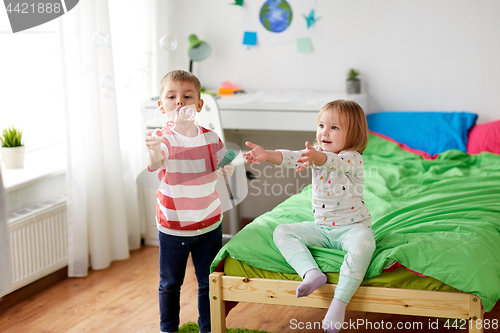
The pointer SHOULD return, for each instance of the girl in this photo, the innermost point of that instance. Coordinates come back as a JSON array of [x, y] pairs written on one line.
[[341, 219]]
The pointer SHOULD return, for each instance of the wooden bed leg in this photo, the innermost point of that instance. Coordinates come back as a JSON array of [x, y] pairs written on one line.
[[217, 304], [476, 321]]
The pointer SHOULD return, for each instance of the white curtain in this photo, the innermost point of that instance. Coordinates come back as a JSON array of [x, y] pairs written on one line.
[[5, 259], [103, 90]]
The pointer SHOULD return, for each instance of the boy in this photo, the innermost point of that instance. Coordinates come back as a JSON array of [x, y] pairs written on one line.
[[188, 210]]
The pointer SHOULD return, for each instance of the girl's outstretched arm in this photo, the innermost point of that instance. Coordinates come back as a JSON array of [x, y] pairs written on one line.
[[309, 157], [259, 154]]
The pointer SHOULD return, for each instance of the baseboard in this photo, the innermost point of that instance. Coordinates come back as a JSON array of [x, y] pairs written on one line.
[[32, 288]]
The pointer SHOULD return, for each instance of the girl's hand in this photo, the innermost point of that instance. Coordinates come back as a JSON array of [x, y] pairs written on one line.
[[256, 155], [309, 157], [226, 172], [153, 143]]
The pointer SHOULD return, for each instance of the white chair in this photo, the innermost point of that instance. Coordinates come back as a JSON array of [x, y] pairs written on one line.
[[209, 117]]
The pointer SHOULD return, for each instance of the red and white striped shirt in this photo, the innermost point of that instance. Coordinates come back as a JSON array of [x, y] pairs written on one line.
[[186, 198]]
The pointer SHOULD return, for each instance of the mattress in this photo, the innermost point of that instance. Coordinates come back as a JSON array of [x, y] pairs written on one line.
[[399, 278]]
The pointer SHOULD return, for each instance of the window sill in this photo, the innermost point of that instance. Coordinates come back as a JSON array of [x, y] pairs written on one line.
[[38, 165]]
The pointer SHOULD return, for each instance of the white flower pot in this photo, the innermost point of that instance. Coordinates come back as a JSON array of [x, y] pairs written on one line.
[[13, 157]]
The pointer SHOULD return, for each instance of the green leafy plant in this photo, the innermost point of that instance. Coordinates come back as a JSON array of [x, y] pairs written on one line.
[[11, 137], [192, 327], [352, 75]]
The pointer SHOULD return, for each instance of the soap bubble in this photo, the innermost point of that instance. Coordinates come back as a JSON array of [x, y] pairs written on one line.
[[187, 112], [106, 81], [168, 43], [108, 92], [171, 116], [87, 70], [99, 39], [107, 41], [166, 118]]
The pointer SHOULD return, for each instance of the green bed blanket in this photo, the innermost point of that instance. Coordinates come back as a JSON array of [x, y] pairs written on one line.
[[440, 218]]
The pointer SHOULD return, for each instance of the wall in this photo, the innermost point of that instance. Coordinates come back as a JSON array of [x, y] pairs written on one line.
[[422, 55], [418, 55]]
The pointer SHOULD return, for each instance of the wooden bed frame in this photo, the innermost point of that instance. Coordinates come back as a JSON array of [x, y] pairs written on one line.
[[427, 303]]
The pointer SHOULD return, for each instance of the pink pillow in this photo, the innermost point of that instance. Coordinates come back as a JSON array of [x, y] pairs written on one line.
[[484, 137]]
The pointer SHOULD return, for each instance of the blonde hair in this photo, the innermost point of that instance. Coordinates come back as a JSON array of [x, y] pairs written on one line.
[[181, 76], [353, 120]]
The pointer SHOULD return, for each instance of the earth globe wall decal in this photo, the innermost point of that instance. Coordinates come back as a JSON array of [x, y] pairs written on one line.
[[276, 15]]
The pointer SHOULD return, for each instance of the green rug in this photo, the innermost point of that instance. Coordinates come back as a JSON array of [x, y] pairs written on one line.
[[191, 327]]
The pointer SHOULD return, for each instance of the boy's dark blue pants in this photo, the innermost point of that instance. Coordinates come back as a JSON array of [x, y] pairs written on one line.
[[174, 253]]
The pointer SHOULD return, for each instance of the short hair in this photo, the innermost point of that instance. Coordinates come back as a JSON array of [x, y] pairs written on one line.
[[353, 120], [181, 76]]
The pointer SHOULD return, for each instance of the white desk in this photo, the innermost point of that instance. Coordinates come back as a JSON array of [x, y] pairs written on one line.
[[278, 110]]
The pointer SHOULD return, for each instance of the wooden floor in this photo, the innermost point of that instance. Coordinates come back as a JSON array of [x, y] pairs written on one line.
[[124, 298]]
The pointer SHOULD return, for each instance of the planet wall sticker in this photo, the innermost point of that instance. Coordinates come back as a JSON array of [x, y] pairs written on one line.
[[276, 15]]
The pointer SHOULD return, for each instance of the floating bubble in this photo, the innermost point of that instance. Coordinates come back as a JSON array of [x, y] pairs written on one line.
[[106, 81], [170, 117], [147, 59], [108, 92], [99, 39], [107, 41], [139, 76], [187, 112], [164, 118], [168, 43], [87, 70]]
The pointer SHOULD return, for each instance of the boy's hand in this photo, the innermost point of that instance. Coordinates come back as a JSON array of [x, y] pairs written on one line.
[[227, 171], [256, 155], [153, 143], [309, 157]]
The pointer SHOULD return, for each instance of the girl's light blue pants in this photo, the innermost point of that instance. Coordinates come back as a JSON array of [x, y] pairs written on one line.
[[355, 239]]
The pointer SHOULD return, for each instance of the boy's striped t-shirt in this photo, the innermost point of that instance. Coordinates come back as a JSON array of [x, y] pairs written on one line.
[[186, 198]]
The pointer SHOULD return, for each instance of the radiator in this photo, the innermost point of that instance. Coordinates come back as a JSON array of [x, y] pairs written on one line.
[[38, 241]]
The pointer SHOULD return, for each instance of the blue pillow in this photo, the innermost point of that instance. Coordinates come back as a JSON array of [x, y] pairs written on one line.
[[432, 132]]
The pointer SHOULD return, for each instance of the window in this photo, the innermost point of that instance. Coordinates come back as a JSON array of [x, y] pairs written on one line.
[[31, 84]]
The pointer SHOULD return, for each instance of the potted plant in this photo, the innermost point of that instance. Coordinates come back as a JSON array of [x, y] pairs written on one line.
[[353, 84], [12, 148]]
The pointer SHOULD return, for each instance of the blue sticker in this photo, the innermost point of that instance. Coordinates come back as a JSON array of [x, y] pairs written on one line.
[[250, 38]]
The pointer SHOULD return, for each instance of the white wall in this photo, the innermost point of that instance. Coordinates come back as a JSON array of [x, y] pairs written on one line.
[[422, 55]]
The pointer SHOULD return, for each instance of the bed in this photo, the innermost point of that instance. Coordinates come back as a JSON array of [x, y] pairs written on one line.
[[435, 210]]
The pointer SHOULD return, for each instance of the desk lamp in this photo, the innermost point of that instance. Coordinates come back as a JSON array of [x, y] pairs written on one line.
[[198, 50]]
